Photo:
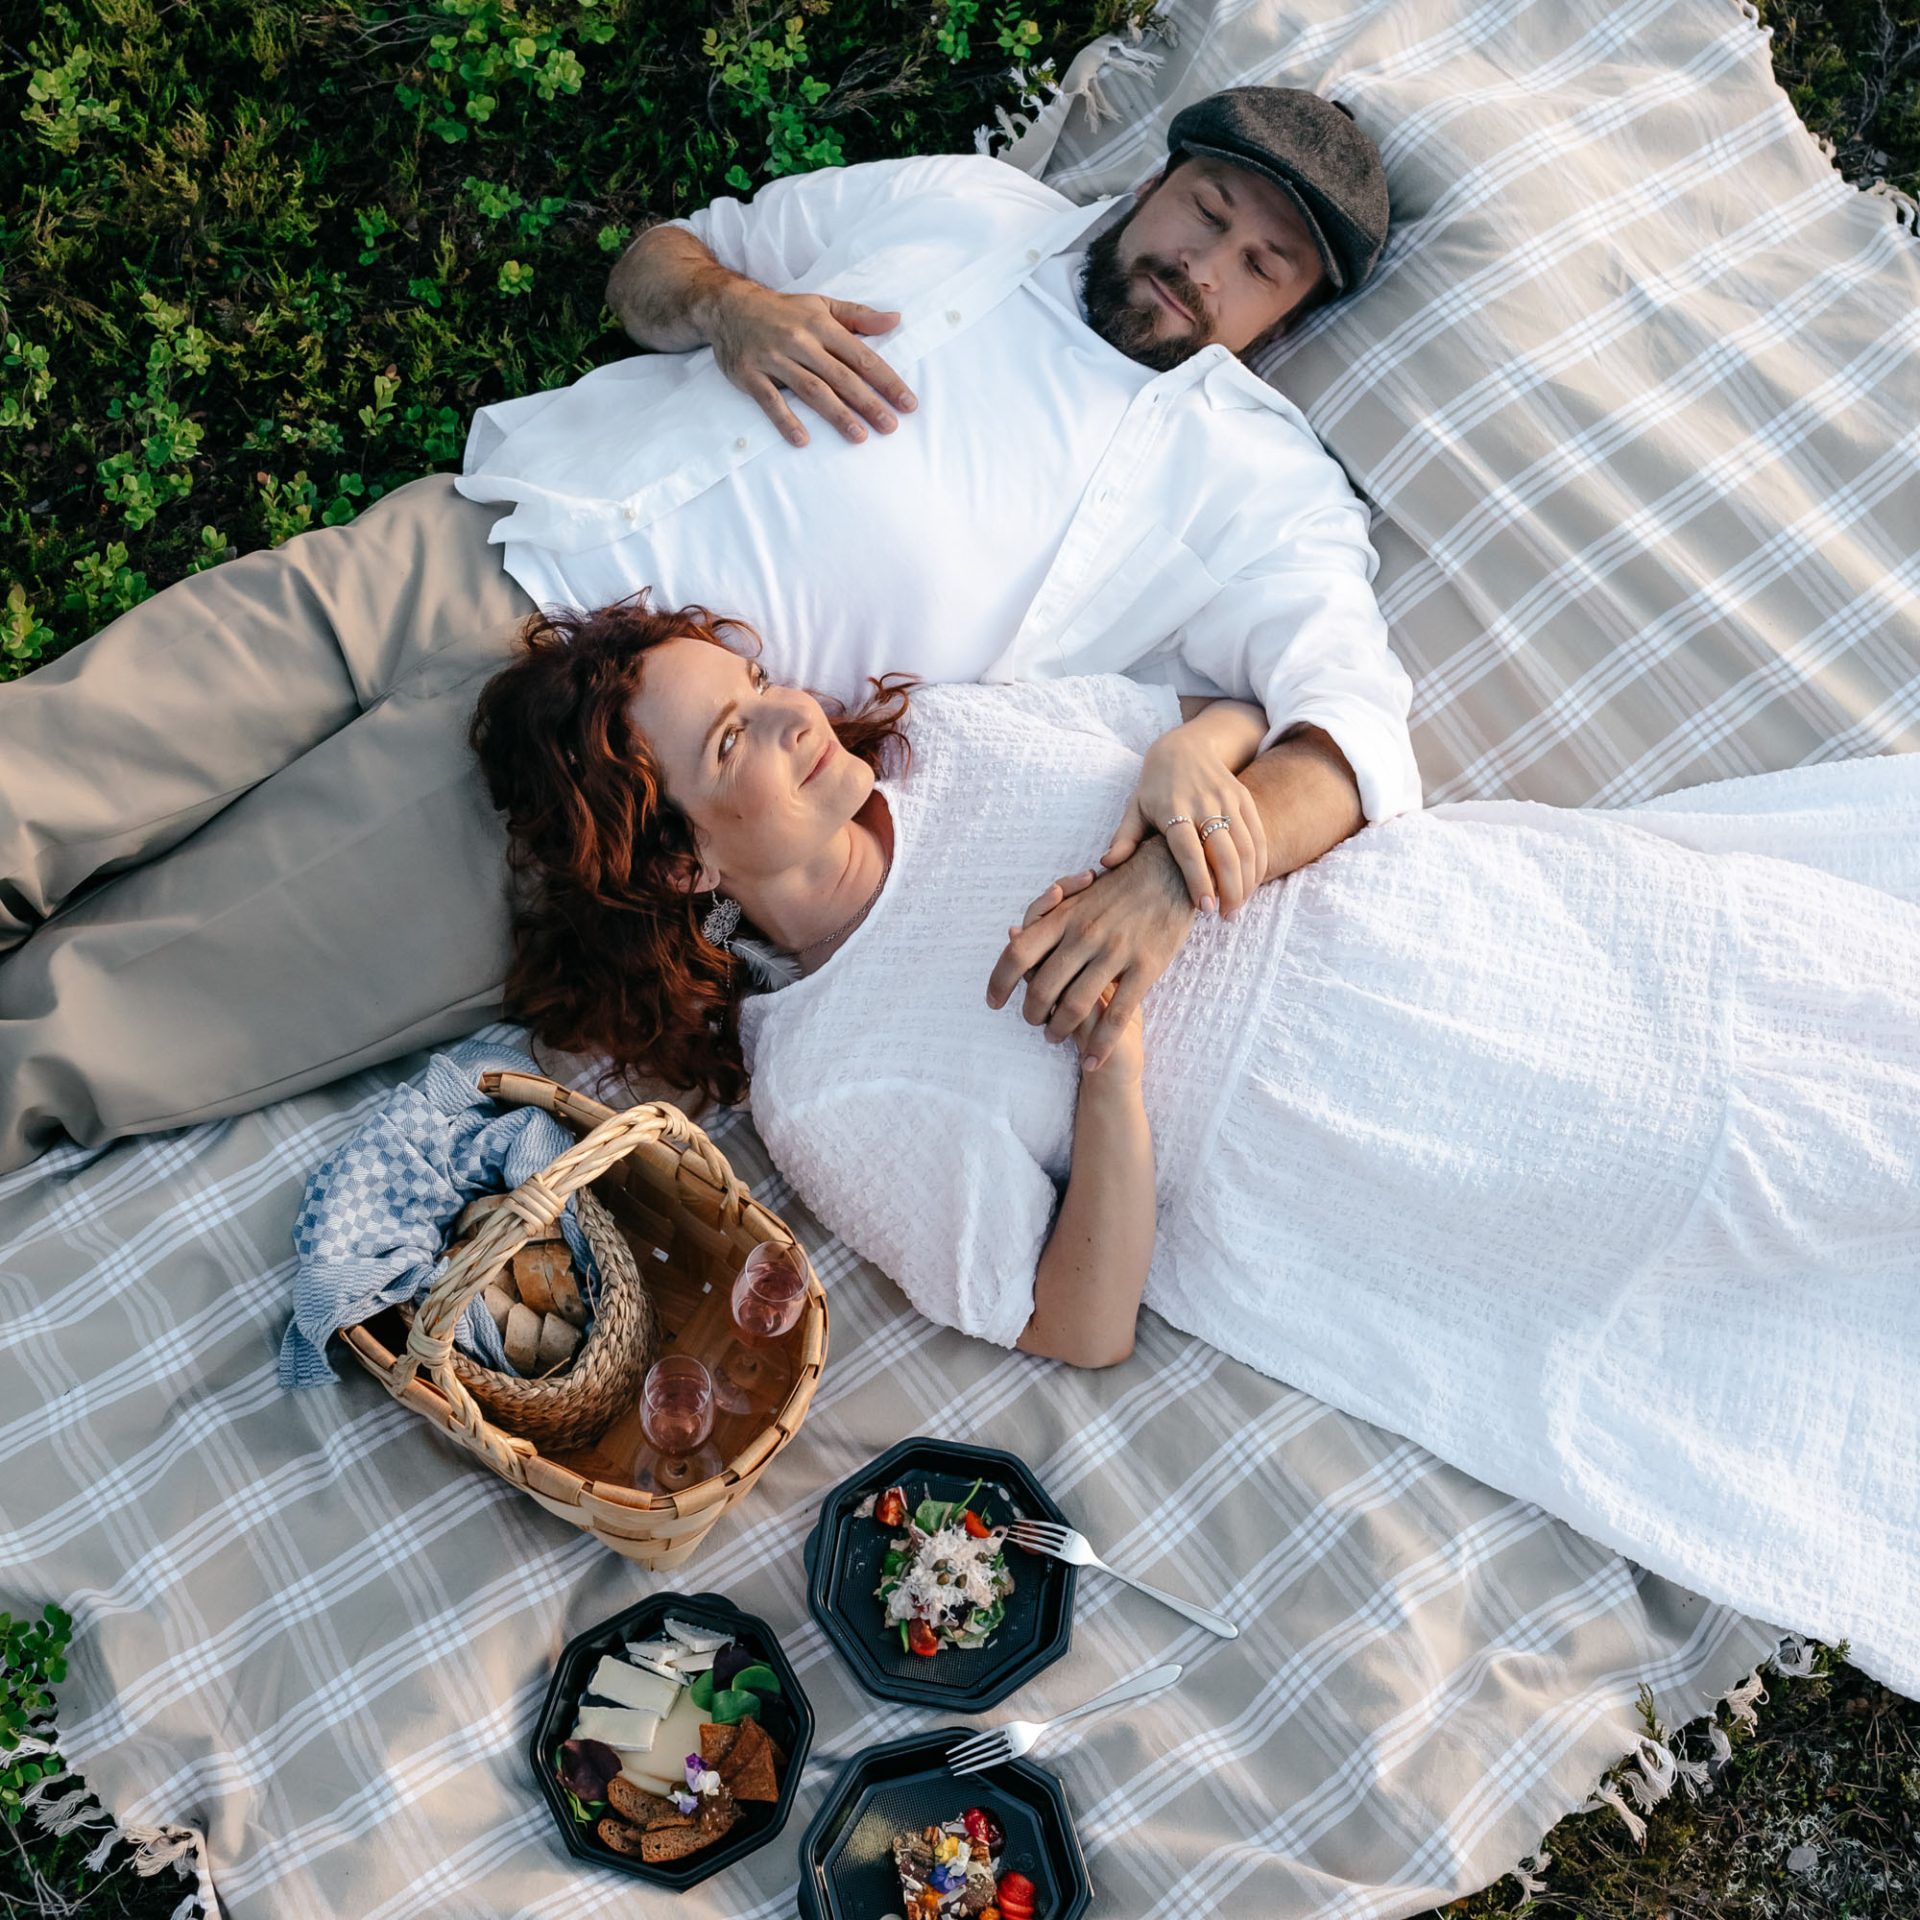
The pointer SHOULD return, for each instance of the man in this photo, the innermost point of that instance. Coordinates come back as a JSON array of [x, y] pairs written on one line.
[[1006, 494]]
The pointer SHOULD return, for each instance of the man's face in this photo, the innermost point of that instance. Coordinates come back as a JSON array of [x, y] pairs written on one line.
[[1210, 253]]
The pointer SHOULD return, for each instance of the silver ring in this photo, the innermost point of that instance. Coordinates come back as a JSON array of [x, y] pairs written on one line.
[[1178, 820], [1210, 827]]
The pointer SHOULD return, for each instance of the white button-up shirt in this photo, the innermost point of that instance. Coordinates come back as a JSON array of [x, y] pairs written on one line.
[[1051, 507]]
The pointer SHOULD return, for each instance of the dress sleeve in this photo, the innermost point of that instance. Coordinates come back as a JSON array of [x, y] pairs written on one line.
[[1298, 630], [938, 1194], [780, 235]]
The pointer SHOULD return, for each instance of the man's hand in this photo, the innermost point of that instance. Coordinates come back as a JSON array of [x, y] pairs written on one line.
[[811, 346], [1091, 935]]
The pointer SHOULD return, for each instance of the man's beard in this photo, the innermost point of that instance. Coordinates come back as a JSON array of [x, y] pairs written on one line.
[[1119, 322]]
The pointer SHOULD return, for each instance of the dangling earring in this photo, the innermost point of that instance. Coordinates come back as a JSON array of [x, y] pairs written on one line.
[[716, 928]]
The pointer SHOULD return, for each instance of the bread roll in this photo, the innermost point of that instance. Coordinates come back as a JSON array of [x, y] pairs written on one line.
[[522, 1338], [498, 1303], [559, 1342], [568, 1301]]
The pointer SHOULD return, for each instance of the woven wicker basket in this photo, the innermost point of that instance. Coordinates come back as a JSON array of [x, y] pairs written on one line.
[[570, 1408], [690, 1222]]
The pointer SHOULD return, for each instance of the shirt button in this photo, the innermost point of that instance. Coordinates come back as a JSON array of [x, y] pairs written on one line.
[[633, 515], [953, 316], [740, 445], [1033, 253]]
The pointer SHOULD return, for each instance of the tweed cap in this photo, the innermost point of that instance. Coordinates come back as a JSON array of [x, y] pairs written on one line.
[[1312, 151]]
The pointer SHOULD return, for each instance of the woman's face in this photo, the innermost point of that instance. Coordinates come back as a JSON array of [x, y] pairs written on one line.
[[752, 764]]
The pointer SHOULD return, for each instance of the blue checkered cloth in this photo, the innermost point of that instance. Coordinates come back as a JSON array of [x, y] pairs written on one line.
[[375, 1217]]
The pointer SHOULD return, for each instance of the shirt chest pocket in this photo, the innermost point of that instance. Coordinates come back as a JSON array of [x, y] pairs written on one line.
[[1135, 607]]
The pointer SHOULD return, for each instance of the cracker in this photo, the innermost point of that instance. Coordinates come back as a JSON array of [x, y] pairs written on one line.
[[618, 1835], [748, 1770], [665, 1844], [717, 1742], [635, 1803]]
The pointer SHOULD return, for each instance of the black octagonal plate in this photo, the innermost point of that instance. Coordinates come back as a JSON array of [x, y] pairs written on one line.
[[788, 1719], [843, 1555], [846, 1859]]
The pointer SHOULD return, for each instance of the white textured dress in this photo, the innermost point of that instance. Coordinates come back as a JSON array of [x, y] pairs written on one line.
[[1582, 1148]]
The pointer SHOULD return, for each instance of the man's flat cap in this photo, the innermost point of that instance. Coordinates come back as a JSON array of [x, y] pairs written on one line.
[[1312, 151]]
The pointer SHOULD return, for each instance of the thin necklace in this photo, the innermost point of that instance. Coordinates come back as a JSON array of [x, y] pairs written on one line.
[[847, 926]]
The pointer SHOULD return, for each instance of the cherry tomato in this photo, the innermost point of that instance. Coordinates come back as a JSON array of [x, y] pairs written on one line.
[[921, 1638], [890, 1510], [977, 1529], [983, 1829], [1015, 1894]]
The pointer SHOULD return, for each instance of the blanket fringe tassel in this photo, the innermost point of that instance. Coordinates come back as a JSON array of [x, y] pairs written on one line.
[[1031, 137], [1906, 210], [62, 1804], [1653, 1768]]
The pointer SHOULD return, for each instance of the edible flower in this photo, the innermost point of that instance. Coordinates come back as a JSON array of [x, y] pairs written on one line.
[[947, 1876], [700, 1779]]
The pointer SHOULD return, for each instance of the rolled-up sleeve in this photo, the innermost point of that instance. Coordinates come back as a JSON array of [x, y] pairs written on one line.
[[1298, 629], [780, 235]]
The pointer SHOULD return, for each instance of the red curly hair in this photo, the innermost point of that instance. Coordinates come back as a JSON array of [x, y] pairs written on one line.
[[608, 957]]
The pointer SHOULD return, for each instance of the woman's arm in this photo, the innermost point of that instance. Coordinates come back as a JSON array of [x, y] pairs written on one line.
[[1093, 1269]]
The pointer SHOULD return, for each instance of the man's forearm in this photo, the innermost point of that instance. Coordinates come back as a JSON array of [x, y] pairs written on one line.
[[664, 287], [1308, 798]]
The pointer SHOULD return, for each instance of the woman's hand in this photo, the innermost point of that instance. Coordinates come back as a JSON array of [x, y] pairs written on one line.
[[1184, 784]]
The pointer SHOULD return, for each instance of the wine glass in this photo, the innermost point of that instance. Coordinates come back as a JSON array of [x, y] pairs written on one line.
[[768, 1299], [676, 1414]]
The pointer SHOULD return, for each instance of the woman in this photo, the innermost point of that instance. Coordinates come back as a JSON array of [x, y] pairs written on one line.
[[1463, 1054], [1583, 1149]]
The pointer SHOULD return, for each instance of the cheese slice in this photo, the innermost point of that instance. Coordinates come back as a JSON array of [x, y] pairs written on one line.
[[616, 1680], [700, 1639], [653, 1653], [687, 1661], [661, 1768], [627, 1728]]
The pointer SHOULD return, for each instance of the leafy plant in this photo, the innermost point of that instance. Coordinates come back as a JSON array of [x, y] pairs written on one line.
[[33, 1661]]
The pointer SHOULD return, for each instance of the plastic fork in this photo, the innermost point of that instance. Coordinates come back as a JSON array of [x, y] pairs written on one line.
[[1008, 1742], [1065, 1543]]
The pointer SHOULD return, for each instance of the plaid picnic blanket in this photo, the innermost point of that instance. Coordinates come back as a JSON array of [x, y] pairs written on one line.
[[1634, 392], [1634, 397], [310, 1629]]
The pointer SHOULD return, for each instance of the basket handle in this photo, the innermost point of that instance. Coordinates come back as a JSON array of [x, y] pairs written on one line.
[[530, 1208]]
